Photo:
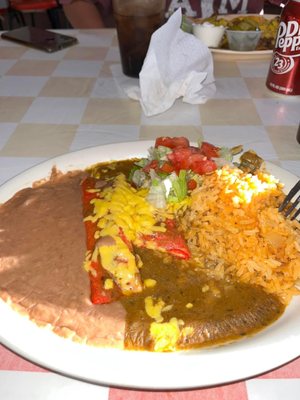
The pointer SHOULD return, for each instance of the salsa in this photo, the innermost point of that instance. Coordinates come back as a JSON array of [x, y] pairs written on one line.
[[211, 311]]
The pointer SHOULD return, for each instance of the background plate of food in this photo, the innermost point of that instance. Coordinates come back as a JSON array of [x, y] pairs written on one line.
[[46, 313], [267, 24]]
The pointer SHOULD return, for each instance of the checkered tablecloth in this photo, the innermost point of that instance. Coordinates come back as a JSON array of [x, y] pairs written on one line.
[[55, 103]]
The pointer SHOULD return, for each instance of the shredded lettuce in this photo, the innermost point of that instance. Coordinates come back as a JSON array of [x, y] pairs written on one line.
[[159, 153], [157, 194], [142, 162], [172, 189], [225, 157], [139, 178], [178, 190], [220, 162], [226, 153]]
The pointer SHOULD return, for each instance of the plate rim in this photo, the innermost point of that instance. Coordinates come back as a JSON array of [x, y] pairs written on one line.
[[217, 50], [198, 365]]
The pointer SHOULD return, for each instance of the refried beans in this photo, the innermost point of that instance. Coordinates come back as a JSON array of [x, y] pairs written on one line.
[[42, 247]]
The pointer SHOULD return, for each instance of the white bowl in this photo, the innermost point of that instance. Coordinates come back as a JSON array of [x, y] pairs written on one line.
[[209, 34]]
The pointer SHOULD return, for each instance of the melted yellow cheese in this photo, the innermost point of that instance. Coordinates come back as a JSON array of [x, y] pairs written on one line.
[[118, 260], [154, 308], [149, 283], [165, 335], [122, 206]]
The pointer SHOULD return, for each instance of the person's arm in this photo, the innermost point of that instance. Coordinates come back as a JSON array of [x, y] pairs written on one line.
[[83, 14], [273, 6], [276, 2]]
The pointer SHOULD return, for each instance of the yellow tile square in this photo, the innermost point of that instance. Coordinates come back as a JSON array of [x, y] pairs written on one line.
[[284, 141], [86, 53], [105, 71], [151, 132], [68, 87], [229, 112], [112, 112], [257, 88], [226, 69], [39, 140], [12, 52], [33, 67], [12, 109]]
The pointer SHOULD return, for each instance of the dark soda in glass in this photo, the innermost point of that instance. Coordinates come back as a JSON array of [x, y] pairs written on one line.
[[136, 20]]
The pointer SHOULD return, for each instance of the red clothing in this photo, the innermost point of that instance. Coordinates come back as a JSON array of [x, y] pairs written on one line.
[[205, 8], [199, 8]]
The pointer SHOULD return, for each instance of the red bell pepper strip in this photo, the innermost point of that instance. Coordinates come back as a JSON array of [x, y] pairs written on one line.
[[170, 241], [99, 295]]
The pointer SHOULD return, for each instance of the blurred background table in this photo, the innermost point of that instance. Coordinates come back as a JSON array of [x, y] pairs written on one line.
[[55, 103]]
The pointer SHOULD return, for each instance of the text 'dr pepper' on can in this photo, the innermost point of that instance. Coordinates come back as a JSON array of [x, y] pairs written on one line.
[[284, 72]]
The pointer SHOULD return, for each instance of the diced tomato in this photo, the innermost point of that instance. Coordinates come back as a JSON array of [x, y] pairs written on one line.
[[203, 167], [196, 157], [209, 150], [170, 224], [167, 168], [180, 158], [191, 184], [191, 158], [152, 165], [172, 142]]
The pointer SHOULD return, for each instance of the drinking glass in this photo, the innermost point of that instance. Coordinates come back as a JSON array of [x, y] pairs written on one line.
[[136, 20]]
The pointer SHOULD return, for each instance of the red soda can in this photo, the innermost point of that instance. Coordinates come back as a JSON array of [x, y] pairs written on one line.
[[284, 72]]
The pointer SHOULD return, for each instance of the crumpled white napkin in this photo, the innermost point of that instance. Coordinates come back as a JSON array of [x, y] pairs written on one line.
[[177, 65]]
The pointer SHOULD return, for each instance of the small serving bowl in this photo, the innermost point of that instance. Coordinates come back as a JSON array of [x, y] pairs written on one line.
[[209, 34], [243, 40]]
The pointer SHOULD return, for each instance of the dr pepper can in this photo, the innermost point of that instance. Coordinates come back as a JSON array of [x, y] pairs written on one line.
[[284, 72]]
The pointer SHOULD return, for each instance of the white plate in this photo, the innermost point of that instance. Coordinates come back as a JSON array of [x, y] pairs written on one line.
[[242, 54], [231, 54], [276, 345]]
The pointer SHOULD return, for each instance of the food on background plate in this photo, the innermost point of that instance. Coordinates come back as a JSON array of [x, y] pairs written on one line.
[[181, 249], [209, 34], [267, 26]]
